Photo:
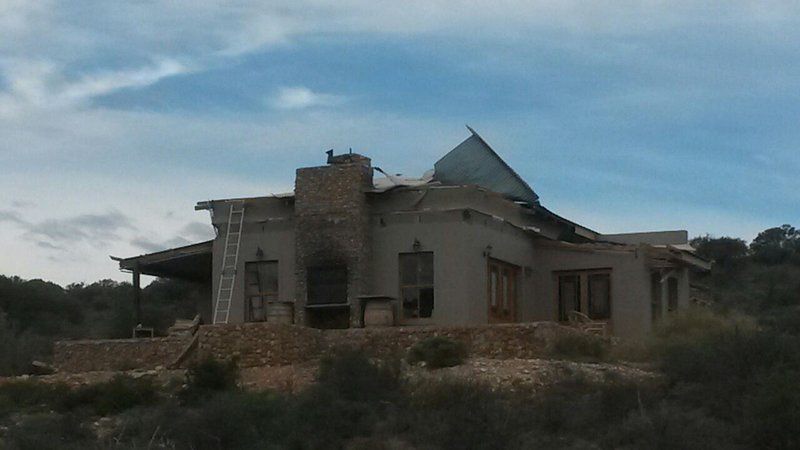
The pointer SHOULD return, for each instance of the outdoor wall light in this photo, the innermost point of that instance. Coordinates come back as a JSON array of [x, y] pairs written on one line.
[[487, 252], [416, 245]]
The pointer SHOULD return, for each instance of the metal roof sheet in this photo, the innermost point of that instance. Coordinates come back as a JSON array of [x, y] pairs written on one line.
[[474, 162]]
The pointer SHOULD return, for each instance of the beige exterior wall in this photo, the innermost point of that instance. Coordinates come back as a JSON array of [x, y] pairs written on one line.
[[630, 284], [459, 243], [459, 225], [268, 225]]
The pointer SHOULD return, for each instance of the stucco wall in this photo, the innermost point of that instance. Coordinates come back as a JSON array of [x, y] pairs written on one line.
[[630, 284], [268, 224], [459, 241]]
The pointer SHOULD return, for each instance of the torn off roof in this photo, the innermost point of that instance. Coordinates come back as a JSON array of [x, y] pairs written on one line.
[[474, 162]]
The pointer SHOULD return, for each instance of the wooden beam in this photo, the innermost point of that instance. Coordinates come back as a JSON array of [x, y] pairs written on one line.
[[137, 295]]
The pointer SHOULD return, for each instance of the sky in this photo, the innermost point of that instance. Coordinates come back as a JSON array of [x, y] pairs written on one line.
[[116, 117]]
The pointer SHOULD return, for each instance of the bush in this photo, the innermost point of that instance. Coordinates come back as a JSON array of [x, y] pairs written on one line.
[[579, 346], [120, 393], [438, 352], [670, 426], [26, 395], [772, 410], [352, 376], [207, 377], [224, 419], [48, 430], [452, 414]]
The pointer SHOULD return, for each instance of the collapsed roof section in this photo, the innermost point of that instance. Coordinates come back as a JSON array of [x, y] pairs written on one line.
[[475, 162]]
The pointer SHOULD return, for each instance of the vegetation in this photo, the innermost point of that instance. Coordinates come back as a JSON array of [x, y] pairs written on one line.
[[727, 379], [579, 347], [438, 352], [34, 313]]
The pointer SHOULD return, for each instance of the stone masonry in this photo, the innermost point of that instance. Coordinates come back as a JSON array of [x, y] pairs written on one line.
[[262, 344], [332, 227]]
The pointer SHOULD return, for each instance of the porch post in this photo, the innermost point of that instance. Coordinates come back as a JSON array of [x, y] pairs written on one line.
[[137, 295]]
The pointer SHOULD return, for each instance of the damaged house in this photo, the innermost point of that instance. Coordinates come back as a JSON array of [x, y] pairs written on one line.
[[468, 243]]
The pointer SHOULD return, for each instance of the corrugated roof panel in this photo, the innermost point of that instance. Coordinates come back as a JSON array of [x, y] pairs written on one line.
[[474, 162]]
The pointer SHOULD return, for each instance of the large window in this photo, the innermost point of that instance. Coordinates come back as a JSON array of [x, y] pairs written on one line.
[[569, 295], [416, 284], [584, 291], [327, 285], [261, 286], [600, 296]]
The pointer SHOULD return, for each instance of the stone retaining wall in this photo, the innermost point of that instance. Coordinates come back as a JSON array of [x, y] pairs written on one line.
[[116, 354], [264, 344], [259, 344]]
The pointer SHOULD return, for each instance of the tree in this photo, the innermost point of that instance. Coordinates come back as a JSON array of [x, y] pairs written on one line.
[[777, 245], [723, 250]]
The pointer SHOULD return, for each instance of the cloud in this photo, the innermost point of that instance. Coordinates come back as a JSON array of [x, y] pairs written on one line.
[[42, 84], [299, 97], [150, 245], [11, 216], [197, 231], [93, 228]]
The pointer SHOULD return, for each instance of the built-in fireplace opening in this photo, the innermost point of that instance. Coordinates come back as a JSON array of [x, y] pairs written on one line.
[[326, 302]]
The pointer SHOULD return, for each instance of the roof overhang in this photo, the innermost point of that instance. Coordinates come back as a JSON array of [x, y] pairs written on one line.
[[668, 256], [191, 262]]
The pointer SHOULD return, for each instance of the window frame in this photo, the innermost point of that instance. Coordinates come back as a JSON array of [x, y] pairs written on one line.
[[583, 291], [502, 290], [418, 286], [264, 295]]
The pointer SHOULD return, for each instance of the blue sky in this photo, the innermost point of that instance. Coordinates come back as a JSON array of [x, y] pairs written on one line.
[[116, 117]]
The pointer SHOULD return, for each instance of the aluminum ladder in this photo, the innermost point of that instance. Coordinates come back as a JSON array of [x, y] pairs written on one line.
[[230, 259]]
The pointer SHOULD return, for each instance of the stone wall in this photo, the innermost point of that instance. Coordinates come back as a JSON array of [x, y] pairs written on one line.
[[261, 344], [116, 354], [332, 230], [265, 344]]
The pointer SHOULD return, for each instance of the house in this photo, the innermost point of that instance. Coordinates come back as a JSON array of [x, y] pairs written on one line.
[[467, 243]]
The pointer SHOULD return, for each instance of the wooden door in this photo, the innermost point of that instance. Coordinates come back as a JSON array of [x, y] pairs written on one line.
[[502, 291]]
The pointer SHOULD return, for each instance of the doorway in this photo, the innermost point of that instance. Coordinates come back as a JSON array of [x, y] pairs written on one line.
[[502, 292]]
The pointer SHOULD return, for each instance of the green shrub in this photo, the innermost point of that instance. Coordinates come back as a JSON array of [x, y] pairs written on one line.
[[230, 419], [48, 430], [16, 396], [118, 394], [772, 410], [695, 323], [353, 376], [438, 352], [579, 346], [208, 376], [454, 414], [670, 426]]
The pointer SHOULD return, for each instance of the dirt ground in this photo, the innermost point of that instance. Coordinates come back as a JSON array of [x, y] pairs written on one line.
[[507, 373]]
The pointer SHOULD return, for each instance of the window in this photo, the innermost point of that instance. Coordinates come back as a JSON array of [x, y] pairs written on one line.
[[261, 286], [600, 296], [672, 294], [585, 291], [327, 285], [416, 284], [569, 295], [502, 291]]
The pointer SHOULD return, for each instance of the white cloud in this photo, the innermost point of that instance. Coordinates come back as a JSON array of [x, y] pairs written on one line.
[[299, 97]]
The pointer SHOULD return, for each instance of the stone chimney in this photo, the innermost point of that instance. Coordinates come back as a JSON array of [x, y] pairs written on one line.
[[332, 245]]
